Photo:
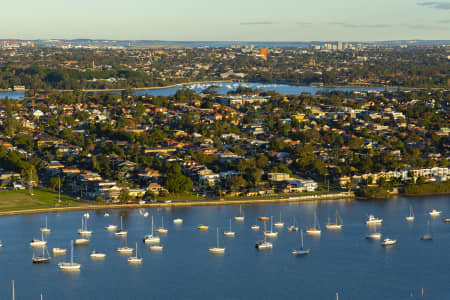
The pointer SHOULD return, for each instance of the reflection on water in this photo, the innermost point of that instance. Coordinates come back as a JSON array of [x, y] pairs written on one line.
[[340, 260]]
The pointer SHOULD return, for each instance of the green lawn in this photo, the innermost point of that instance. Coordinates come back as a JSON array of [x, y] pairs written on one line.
[[21, 200]]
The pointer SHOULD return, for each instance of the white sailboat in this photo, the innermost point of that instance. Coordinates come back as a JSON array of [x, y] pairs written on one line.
[[135, 259], [156, 248], [125, 249], [121, 232], [239, 218], [151, 238], [69, 266], [264, 244], [162, 230], [41, 259], [279, 224], [38, 243], [374, 235], [84, 230], [315, 230], [427, 236], [302, 250], [334, 226], [271, 233], [411, 217], [45, 229], [229, 233], [217, 249]]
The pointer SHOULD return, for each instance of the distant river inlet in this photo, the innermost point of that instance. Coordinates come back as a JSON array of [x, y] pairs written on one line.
[[340, 261], [223, 88]]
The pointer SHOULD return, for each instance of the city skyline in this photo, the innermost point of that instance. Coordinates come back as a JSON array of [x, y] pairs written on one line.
[[286, 20]]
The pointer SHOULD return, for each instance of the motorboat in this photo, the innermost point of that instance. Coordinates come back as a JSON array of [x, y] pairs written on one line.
[[388, 242], [372, 220], [97, 255], [434, 213]]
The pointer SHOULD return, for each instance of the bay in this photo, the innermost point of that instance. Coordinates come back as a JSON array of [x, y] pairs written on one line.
[[341, 261]]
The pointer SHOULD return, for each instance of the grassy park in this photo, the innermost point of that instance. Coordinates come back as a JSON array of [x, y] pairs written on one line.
[[22, 200]]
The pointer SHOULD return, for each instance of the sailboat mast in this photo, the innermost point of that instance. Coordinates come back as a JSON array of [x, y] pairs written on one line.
[[71, 252], [217, 237], [152, 225], [301, 235], [13, 291]]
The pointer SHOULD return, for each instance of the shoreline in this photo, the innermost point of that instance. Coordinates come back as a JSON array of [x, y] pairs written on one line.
[[293, 199]]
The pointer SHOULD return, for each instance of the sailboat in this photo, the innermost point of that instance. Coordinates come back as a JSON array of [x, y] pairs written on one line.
[[162, 230], [239, 218], [111, 227], [271, 233], [293, 227], [156, 248], [302, 250], [45, 229], [374, 235], [279, 224], [135, 259], [315, 230], [263, 245], [69, 266], [217, 249], [178, 221], [334, 226], [41, 259], [84, 230], [229, 233], [427, 236], [151, 238], [121, 232], [126, 249], [411, 217], [81, 242], [13, 291], [38, 243]]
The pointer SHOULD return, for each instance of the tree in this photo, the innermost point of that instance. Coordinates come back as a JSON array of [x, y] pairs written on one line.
[[238, 182], [124, 195]]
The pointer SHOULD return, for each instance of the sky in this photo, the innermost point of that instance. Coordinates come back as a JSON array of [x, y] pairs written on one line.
[[227, 20]]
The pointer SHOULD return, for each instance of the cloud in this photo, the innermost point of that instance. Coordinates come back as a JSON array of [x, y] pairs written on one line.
[[424, 27], [258, 23], [349, 25], [435, 4]]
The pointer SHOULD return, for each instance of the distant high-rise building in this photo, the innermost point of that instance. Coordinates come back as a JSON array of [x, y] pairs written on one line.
[[339, 46]]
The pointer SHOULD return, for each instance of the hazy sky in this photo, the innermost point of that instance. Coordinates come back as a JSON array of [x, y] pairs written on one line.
[[243, 20]]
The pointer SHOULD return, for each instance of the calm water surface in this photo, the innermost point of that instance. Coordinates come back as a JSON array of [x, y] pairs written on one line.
[[224, 88], [339, 261]]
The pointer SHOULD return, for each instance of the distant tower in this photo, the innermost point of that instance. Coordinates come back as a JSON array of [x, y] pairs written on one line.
[[312, 61]]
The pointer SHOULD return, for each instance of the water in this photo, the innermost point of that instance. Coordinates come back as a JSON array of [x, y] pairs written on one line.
[[339, 261], [224, 88]]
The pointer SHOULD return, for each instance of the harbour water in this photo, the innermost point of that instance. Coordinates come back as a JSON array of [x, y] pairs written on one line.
[[224, 88], [340, 261]]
